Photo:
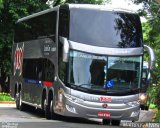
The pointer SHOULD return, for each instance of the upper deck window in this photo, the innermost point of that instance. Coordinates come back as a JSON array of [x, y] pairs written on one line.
[[36, 27], [105, 28]]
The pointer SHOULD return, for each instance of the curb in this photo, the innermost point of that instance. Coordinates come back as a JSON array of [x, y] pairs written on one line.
[[7, 105], [7, 102]]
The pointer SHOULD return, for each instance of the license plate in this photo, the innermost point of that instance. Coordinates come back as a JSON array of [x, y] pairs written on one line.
[[104, 114]]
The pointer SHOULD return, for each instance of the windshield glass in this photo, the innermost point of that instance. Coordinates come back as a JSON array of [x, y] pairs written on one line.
[[104, 73], [96, 27]]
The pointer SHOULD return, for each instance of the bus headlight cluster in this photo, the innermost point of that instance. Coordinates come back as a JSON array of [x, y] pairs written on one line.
[[133, 103], [142, 97], [73, 98]]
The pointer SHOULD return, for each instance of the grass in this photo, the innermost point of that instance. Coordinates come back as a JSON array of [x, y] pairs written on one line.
[[5, 97], [156, 111], [157, 119], [152, 106]]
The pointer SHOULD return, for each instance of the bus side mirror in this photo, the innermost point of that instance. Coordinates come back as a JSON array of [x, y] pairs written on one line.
[[148, 78], [65, 48], [152, 57]]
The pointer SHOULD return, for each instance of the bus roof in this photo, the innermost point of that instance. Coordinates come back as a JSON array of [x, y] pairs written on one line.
[[38, 14], [100, 7], [79, 6]]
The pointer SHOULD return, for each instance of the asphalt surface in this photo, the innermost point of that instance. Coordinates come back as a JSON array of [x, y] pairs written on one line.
[[10, 117]]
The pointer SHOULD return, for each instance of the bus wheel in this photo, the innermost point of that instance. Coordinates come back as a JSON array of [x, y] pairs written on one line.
[[19, 103], [17, 100], [115, 122], [142, 107], [147, 108], [106, 121], [53, 114], [46, 109]]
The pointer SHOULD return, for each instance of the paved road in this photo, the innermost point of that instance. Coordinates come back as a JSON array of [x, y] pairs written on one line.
[[146, 116], [10, 117]]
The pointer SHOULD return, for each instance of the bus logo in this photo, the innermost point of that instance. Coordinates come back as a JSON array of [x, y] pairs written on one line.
[[105, 99], [104, 105], [18, 59]]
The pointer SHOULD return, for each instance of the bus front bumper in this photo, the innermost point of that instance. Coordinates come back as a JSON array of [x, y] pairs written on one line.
[[75, 109]]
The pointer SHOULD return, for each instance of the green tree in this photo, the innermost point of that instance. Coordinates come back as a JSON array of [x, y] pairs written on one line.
[[1, 4], [10, 12], [151, 34]]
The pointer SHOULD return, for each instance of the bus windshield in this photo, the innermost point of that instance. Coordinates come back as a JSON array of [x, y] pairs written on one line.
[[104, 73], [105, 28]]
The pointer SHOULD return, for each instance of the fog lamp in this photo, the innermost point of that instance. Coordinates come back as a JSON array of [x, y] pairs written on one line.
[[71, 108], [134, 114]]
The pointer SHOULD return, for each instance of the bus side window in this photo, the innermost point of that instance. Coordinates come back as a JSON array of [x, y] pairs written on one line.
[[39, 69], [29, 69], [64, 23], [49, 71]]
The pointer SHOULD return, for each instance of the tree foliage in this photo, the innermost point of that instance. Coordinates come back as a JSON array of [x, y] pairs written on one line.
[[151, 35], [10, 12], [151, 29]]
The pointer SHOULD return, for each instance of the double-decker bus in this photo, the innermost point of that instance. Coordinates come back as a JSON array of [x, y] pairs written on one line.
[[79, 61]]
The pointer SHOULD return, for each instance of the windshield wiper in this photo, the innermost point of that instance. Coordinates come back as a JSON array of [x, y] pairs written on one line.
[[80, 85], [75, 86], [89, 87]]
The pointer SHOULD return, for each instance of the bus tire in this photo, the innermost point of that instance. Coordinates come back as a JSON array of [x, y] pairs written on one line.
[[53, 114], [17, 99], [142, 107], [146, 108], [116, 122], [19, 103], [106, 121], [46, 109]]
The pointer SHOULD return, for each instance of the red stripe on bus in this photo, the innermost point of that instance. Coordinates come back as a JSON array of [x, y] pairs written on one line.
[[48, 84]]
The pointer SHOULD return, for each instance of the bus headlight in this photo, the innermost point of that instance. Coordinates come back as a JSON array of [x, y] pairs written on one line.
[[143, 97], [73, 98]]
